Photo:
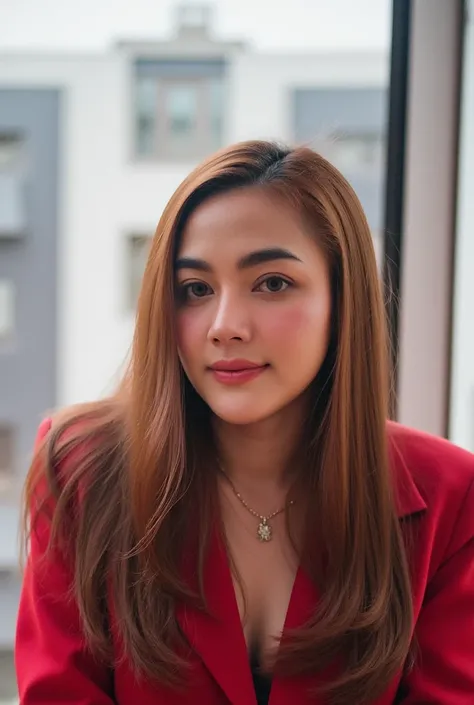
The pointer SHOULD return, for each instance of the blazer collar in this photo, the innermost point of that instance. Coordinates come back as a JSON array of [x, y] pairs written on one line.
[[408, 499], [217, 635]]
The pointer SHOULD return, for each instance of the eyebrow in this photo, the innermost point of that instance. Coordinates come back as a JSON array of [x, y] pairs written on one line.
[[270, 254]]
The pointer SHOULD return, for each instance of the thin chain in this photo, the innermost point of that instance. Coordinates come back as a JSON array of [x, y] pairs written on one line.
[[262, 517]]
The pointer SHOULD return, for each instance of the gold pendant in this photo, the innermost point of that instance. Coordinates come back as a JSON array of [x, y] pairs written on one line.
[[264, 531]]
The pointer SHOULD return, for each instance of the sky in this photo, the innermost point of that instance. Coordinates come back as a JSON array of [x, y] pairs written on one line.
[[93, 25]]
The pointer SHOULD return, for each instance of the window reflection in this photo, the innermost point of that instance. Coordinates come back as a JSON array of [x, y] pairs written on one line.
[[181, 106], [146, 113]]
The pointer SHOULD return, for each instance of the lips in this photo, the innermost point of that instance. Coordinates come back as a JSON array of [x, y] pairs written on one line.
[[235, 372], [235, 365]]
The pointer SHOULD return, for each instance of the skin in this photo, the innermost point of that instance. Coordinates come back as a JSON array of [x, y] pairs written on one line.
[[273, 310]]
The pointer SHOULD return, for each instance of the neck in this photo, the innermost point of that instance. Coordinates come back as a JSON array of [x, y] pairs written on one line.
[[262, 454]]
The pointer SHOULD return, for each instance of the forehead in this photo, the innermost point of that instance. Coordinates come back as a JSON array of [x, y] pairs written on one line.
[[243, 220]]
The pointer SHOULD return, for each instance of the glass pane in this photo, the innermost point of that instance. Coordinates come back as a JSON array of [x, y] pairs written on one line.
[[12, 185], [355, 152], [12, 205], [11, 151], [146, 112], [347, 125], [7, 309], [216, 103], [181, 109]]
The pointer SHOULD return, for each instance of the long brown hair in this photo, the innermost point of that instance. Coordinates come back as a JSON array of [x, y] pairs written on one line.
[[138, 464]]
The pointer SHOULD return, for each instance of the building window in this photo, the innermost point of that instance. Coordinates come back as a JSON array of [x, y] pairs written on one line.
[[12, 186], [6, 458], [11, 150], [146, 114], [347, 125], [216, 109], [7, 309], [355, 152], [179, 109], [138, 247], [181, 118]]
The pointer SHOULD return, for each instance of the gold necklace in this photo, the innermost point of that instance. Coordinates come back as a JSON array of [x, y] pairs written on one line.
[[264, 530]]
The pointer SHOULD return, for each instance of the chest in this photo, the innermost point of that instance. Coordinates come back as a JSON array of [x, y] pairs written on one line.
[[263, 576]]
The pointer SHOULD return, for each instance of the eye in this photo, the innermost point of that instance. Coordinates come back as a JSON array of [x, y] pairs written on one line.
[[192, 291], [273, 284]]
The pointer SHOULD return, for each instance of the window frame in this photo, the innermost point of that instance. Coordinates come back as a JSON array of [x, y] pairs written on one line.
[[206, 139], [7, 471], [14, 168]]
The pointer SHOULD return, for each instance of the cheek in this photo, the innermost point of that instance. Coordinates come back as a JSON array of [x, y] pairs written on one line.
[[189, 332], [300, 325]]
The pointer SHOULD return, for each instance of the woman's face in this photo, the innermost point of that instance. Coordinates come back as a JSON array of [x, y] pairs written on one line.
[[253, 305]]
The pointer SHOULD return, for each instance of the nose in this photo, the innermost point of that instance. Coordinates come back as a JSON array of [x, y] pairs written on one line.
[[230, 322]]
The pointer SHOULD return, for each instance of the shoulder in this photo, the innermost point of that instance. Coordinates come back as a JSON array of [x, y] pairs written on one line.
[[80, 430], [76, 472], [436, 465], [72, 448], [435, 478]]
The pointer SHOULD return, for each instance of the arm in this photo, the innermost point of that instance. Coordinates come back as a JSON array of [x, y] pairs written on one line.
[[52, 663], [444, 669]]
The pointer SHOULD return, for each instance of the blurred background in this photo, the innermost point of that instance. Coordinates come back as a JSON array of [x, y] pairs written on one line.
[[106, 105]]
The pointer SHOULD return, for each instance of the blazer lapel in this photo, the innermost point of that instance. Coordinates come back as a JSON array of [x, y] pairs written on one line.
[[217, 635], [409, 500], [302, 606]]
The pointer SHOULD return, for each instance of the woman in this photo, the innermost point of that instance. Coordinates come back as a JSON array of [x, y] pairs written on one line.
[[239, 523]]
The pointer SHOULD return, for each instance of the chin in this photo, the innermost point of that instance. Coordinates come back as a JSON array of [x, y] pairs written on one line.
[[243, 414]]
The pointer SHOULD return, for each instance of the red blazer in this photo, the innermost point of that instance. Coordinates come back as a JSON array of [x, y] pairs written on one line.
[[435, 488]]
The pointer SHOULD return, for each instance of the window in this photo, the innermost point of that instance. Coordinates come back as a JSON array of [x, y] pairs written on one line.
[[12, 186], [216, 107], [347, 126], [179, 110], [137, 254], [11, 148], [360, 157], [355, 152], [147, 107], [193, 16], [7, 309], [6, 458]]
